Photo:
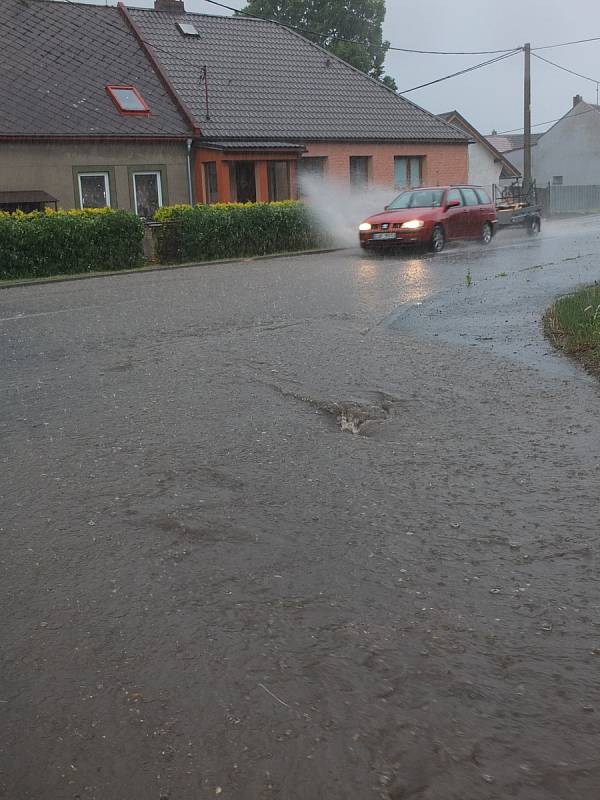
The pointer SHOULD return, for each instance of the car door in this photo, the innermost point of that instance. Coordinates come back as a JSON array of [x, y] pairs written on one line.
[[454, 217], [472, 217], [487, 208]]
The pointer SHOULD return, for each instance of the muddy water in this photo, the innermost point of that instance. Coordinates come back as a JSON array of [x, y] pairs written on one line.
[[210, 590]]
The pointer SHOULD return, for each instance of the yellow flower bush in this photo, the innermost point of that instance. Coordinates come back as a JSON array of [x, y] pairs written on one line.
[[231, 230]]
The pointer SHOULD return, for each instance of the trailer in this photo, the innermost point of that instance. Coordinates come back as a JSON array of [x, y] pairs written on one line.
[[517, 209]]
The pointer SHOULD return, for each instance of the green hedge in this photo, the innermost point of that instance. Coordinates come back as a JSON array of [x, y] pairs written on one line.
[[58, 242], [231, 230]]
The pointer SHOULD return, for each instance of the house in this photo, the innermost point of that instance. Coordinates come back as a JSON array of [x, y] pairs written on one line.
[[85, 120], [136, 108], [568, 153], [488, 166], [272, 107]]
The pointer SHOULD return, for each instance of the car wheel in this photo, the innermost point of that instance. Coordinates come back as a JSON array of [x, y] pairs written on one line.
[[487, 233], [534, 225], [438, 239]]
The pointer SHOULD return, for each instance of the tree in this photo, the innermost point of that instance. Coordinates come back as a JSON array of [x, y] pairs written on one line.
[[351, 29]]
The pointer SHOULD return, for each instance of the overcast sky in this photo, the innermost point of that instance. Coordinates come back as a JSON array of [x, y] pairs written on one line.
[[490, 97]]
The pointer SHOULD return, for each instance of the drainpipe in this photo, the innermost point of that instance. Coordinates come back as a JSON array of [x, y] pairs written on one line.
[[189, 171]]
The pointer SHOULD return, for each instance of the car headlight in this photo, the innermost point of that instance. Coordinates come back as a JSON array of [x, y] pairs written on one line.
[[413, 224], [364, 226]]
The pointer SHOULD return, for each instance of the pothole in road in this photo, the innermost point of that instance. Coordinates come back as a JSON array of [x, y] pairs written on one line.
[[357, 415]]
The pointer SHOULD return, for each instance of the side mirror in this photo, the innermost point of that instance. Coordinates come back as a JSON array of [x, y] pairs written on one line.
[[386, 208], [452, 203]]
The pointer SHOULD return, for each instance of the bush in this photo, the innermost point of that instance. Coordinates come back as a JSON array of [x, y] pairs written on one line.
[[232, 230], [59, 242]]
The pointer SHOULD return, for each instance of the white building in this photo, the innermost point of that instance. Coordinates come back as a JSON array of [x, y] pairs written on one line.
[[567, 154], [487, 165]]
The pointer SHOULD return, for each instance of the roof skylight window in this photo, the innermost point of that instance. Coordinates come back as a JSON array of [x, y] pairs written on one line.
[[187, 29], [128, 100]]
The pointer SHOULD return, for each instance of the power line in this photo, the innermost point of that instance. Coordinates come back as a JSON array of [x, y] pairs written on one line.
[[449, 52], [463, 71], [548, 121], [566, 69], [391, 47], [322, 35], [503, 53], [404, 49], [518, 130], [156, 47], [566, 44]]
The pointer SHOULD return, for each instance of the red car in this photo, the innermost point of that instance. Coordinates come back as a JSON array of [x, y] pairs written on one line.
[[431, 216]]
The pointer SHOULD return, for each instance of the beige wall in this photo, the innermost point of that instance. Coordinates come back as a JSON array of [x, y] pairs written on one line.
[[49, 167]]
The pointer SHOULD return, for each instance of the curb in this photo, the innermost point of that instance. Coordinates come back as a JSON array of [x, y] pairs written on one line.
[[161, 268]]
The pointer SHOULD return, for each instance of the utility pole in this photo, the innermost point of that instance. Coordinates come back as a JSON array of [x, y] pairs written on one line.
[[527, 121]]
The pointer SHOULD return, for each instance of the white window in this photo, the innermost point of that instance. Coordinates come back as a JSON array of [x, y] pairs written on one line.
[[94, 189], [408, 171], [147, 193]]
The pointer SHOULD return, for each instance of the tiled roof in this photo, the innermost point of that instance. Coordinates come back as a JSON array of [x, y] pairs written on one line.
[[265, 81], [57, 59], [514, 141], [455, 118]]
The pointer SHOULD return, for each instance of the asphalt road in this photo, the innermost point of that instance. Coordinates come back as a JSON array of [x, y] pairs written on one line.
[[208, 589]]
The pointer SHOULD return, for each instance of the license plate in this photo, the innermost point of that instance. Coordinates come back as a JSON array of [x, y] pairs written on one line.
[[385, 236]]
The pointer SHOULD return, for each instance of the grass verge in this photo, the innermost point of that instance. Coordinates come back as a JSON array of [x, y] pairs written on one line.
[[572, 324]]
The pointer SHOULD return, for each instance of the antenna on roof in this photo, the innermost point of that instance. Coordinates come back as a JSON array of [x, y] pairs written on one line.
[[204, 80]]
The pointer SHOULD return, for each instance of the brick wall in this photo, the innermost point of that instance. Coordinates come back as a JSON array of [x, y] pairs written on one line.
[[442, 163]]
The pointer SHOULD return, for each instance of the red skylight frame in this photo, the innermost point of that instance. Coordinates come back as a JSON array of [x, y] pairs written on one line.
[[137, 112]]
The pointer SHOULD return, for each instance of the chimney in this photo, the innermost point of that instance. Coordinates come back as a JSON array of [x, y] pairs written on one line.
[[576, 100], [172, 6]]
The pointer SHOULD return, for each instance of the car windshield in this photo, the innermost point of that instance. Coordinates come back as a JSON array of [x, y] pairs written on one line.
[[425, 198]]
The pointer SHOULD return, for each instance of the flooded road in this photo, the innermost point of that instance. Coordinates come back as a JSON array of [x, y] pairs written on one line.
[[210, 590]]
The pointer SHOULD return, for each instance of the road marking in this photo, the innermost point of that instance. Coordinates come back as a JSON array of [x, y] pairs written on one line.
[[21, 316], [38, 314]]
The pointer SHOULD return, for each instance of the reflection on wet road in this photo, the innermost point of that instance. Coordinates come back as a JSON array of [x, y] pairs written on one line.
[[210, 590], [501, 311]]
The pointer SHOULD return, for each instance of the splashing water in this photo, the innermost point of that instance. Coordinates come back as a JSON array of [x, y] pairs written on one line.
[[339, 209]]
